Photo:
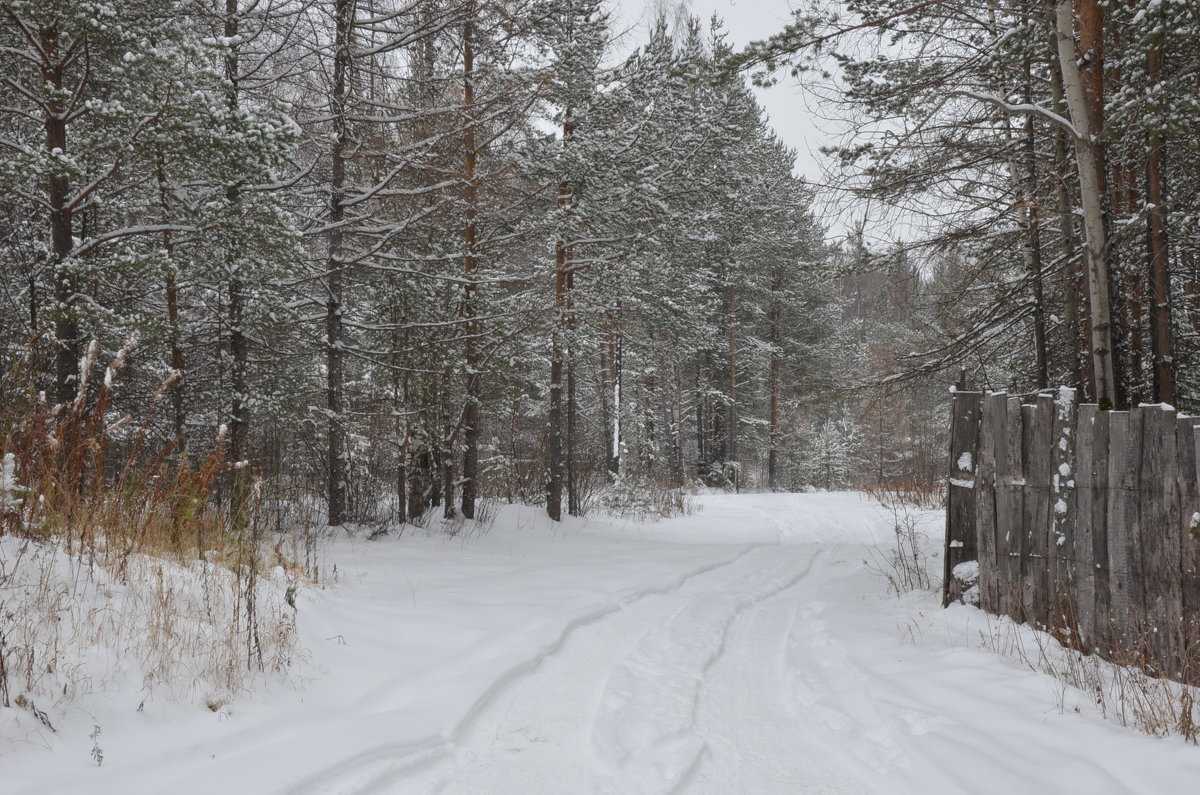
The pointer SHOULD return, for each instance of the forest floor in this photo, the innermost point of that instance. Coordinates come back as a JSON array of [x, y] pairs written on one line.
[[753, 647]]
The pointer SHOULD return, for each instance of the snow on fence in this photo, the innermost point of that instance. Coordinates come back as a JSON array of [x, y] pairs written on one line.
[[1083, 522]]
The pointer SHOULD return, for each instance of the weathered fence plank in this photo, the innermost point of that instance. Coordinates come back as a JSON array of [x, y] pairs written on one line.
[[1091, 523], [985, 500], [1189, 476], [1124, 530], [1064, 610], [1010, 502], [1087, 522], [1161, 545], [961, 537], [1037, 427]]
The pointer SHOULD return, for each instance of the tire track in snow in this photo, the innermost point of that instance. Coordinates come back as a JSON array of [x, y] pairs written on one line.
[[781, 741], [724, 611], [384, 767], [615, 711]]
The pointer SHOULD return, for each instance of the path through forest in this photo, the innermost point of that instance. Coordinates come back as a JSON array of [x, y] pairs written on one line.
[[752, 647]]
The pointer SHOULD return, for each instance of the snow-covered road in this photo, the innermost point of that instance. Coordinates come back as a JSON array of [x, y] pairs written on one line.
[[676, 689], [751, 648]]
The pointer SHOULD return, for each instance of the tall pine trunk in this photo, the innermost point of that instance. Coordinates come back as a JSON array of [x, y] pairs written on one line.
[[1089, 164], [775, 387], [1033, 241], [572, 476], [470, 466], [337, 469], [66, 319], [1078, 365], [554, 491], [731, 452], [615, 375], [239, 427], [554, 451], [174, 331], [1160, 278]]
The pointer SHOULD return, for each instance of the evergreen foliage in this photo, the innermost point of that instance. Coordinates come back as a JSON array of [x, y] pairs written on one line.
[[413, 255]]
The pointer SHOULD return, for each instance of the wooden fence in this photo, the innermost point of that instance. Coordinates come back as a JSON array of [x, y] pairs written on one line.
[[1083, 522]]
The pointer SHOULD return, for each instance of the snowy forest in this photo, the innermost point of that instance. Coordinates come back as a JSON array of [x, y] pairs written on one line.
[[282, 274], [407, 255], [1044, 156]]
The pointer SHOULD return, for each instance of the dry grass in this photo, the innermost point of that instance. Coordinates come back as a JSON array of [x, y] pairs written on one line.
[[115, 562], [929, 495], [902, 560], [1121, 688]]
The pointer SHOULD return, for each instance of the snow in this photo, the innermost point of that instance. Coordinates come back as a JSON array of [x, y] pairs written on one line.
[[9, 488], [749, 648], [966, 463], [967, 571]]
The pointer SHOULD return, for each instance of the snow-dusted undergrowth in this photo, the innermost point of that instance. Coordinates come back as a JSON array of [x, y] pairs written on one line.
[[1118, 690], [1123, 693], [78, 625]]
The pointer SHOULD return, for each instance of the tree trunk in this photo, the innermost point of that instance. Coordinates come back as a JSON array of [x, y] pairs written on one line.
[[239, 429], [731, 452], [1087, 159], [337, 469], [178, 410], [66, 320], [702, 450], [1033, 242], [447, 469], [1160, 278], [470, 466], [1071, 275], [555, 443], [775, 387], [572, 479], [614, 443], [418, 485], [554, 491], [674, 411]]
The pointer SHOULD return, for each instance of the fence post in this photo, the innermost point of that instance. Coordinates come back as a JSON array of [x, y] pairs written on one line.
[[1190, 542], [1162, 546], [1037, 426], [1010, 510], [961, 542], [991, 440], [1064, 500], [1091, 523], [1124, 531]]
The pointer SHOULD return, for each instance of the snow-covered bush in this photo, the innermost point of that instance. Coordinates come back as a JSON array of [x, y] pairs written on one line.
[[643, 500], [11, 495], [830, 457]]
